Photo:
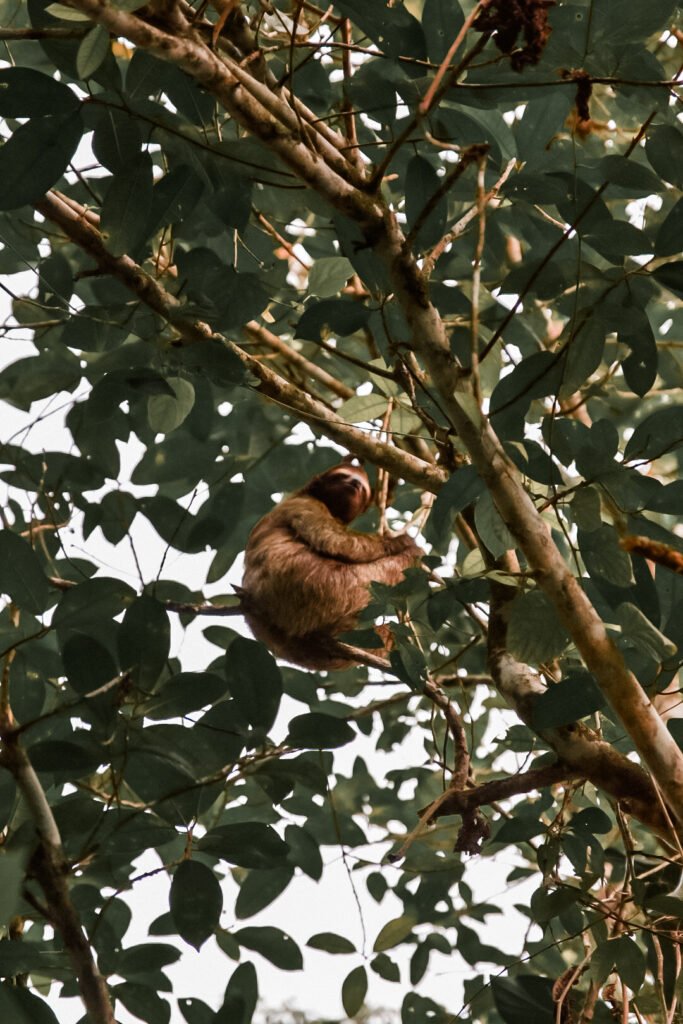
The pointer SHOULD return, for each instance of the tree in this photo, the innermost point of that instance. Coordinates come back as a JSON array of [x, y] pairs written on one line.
[[444, 237]]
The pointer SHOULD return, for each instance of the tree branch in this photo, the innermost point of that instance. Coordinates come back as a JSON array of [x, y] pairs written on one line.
[[580, 750], [51, 870]]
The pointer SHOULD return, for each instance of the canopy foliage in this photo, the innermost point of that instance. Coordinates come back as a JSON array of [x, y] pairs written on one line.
[[442, 237]]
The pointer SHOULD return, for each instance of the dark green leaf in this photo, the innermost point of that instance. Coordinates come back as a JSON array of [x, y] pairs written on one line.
[[196, 1012], [425, 217], [394, 932], [659, 433], [441, 21], [354, 990], [240, 997], [144, 640], [21, 574], [254, 681], [12, 874], [331, 316], [319, 731], [196, 902], [25, 92], [249, 844], [603, 557], [331, 943], [36, 156], [664, 148], [574, 697], [274, 944], [125, 211], [143, 1002], [523, 999], [20, 1006], [535, 633], [260, 888]]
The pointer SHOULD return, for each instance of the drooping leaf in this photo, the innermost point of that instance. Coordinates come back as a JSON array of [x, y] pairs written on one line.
[[254, 681], [196, 902], [21, 574], [36, 156], [249, 844], [354, 989], [274, 944]]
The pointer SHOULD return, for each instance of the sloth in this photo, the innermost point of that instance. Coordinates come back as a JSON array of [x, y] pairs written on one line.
[[307, 575]]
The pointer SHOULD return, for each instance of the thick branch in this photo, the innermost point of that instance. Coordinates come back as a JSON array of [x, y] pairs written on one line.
[[579, 749], [263, 336], [51, 870], [461, 801]]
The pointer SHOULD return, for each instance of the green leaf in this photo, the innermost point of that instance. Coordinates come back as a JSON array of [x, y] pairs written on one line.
[[640, 368], [422, 184], [386, 968], [353, 992], [21, 574], [670, 275], [145, 957], [20, 1006], [624, 956], [92, 51], [274, 944], [167, 412], [144, 640], [603, 557], [394, 932], [668, 240], [143, 1002], [441, 21], [584, 355], [461, 489], [25, 92], [629, 961], [362, 408], [196, 1012], [331, 316], [88, 665], [249, 844], [664, 149], [523, 999], [254, 681], [304, 852], [260, 888], [65, 13], [574, 697], [637, 631], [490, 527], [319, 731], [90, 603], [240, 997], [592, 821], [196, 902], [188, 691], [659, 433], [329, 942], [12, 875], [328, 276], [36, 156], [26, 957], [125, 211], [535, 634]]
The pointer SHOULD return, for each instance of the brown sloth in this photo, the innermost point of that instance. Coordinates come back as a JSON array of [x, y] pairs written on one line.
[[306, 574]]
